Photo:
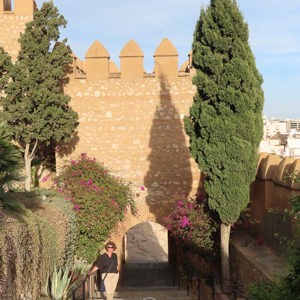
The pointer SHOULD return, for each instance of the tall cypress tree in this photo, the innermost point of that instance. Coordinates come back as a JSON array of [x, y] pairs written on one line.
[[225, 120], [34, 105]]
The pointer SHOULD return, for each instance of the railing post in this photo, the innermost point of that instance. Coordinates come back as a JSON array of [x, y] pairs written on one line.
[[198, 284], [83, 290]]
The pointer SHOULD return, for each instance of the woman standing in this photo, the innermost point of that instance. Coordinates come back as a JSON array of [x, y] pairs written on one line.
[[108, 265]]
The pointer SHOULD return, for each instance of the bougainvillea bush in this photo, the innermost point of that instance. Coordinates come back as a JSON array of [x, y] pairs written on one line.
[[100, 200], [190, 224]]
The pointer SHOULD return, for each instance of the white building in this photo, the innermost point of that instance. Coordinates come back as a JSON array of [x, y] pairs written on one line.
[[273, 127], [281, 137]]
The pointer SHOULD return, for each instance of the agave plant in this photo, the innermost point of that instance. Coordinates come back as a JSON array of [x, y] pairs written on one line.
[[58, 284], [61, 284], [80, 268]]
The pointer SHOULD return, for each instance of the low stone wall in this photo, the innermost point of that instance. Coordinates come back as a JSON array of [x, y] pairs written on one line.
[[277, 182], [252, 262]]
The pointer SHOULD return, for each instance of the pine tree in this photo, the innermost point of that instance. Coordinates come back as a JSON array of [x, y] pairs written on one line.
[[225, 120], [5, 67], [34, 105]]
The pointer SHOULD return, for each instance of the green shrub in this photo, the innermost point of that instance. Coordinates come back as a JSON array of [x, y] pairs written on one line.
[[10, 163], [68, 231], [99, 199], [33, 239]]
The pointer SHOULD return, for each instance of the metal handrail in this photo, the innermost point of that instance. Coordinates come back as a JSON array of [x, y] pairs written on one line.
[[234, 288], [86, 290], [190, 274]]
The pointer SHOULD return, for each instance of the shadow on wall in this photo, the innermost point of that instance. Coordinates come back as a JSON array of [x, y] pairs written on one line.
[[169, 175], [146, 242], [66, 149]]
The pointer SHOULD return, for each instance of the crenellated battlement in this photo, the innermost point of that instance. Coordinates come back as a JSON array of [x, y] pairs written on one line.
[[98, 66], [282, 171]]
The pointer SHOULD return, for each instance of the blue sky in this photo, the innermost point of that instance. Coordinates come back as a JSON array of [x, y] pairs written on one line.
[[274, 29]]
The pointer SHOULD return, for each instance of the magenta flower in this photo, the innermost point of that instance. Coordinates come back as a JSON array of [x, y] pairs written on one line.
[[184, 222], [45, 178], [76, 207], [142, 188], [179, 203]]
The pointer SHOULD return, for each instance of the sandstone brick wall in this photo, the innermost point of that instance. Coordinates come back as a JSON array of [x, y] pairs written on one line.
[[135, 128], [276, 184], [11, 25], [129, 120]]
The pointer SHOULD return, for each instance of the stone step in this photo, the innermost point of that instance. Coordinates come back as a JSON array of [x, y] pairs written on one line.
[[155, 293], [147, 275]]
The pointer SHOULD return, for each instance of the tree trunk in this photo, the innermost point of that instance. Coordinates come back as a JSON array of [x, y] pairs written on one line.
[[225, 236], [27, 168], [28, 156]]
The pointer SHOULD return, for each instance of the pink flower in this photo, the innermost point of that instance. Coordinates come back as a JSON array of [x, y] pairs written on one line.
[[184, 222], [179, 203], [76, 207], [142, 188], [83, 155]]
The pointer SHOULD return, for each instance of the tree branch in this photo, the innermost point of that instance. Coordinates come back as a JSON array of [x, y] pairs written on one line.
[[33, 150]]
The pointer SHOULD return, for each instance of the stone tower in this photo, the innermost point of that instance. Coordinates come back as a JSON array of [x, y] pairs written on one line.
[[14, 14]]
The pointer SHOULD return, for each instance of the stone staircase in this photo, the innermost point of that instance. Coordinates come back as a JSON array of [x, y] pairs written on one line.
[[148, 282], [155, 293], [148, 293], [147, 275]]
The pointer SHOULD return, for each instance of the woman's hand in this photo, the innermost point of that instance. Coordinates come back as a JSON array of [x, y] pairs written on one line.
[[95, 268]]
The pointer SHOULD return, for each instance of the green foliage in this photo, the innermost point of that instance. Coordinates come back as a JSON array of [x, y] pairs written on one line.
[[225, 121], [58, 284], [265, 291], [31, 243], [80, 268], [100, 201], [5, 67], [61, 284], [69, 231], [10, 162], [192, 225], [34, 105], [21, 255]]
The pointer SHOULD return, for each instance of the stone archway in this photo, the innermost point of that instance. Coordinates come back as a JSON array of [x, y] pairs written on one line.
[[146, 242], [146, 256]]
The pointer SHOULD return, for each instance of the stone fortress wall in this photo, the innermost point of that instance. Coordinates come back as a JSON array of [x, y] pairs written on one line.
[[132, 121], [277, 182], [13, 17]]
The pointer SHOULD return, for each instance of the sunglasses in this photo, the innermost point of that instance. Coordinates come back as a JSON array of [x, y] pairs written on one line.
[[110, 247]]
